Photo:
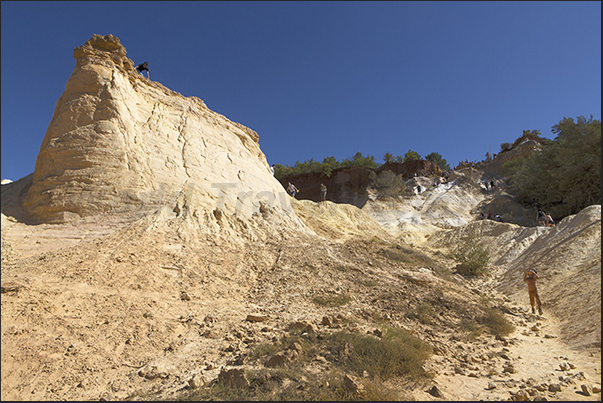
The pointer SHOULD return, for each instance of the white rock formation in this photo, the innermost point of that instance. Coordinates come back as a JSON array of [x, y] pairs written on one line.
[[120, 142]]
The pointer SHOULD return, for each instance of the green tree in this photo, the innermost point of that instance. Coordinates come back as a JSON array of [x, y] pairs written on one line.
[[388, 157], [505, 146], [411, 155], [329, 164], [437, 159], [565, 175], [360, 160]]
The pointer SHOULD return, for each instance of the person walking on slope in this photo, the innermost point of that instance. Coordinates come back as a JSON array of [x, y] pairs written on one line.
[[530, 276], [323, 192], [549, 221], [292, 190]]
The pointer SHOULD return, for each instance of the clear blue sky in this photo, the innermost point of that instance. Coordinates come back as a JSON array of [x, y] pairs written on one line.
[[318, 79]]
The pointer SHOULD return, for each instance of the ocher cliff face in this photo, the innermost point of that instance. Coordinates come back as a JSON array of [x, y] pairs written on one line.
[[119, 142]]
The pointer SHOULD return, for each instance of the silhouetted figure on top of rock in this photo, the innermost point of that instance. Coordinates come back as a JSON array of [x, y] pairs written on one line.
[[143, 67]]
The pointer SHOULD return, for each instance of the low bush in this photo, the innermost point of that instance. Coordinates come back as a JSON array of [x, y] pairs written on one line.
[[472, 255]]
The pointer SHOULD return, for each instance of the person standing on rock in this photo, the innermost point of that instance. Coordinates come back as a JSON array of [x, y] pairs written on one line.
[[143, 67], [272, 169], [541, 217], [530, 276], [323, 192], [292, 190]]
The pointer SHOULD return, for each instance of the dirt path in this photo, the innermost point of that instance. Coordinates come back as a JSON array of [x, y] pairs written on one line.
[[536, 356]]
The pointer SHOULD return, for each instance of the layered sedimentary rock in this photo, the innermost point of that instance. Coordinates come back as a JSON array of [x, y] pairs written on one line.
[[120, 142]]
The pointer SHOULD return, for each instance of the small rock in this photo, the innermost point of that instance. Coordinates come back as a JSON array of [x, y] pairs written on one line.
[[579, 376], [256, 318], [295, 346], [596, 389], [234, 377], [353, 384], [197, 381], [71, 350], [303, 325], [586, 390], [564, 366], [521, 396], [491, 385], [153, 372], [509, 369], [555, 387], [572, 366], [549, 336], [435, 391]]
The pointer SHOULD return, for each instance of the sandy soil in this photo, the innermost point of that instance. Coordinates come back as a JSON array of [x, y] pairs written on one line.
[[118, 307]]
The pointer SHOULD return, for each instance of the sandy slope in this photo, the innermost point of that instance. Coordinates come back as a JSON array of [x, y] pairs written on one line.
[[103, 299]]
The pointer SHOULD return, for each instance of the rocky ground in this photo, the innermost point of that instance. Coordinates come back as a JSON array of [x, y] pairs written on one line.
[[160, 305]]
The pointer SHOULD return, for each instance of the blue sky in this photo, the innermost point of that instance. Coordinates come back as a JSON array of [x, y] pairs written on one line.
[[318, 79]]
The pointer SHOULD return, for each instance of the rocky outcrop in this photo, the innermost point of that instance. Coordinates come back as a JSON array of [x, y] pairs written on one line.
[[345, 185], [349, 184], [119, 142]]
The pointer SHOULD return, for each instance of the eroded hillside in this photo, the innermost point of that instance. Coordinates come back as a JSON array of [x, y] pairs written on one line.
[[198, 287]]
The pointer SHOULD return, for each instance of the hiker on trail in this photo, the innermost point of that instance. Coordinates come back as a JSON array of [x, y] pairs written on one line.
[[323, 192], [492, 185], [549, 221], [541, 217], [272, 169], [481, 215], [530, 276], [489, 215], [486, 183], [418, 188], [143, 67], [498, 218], [292, 190]]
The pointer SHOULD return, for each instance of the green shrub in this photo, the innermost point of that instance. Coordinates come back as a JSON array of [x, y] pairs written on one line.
[[491, 320], [396, 353], [472, 255], [423, 312], [388, 183], [496, 323], [505, 146]]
